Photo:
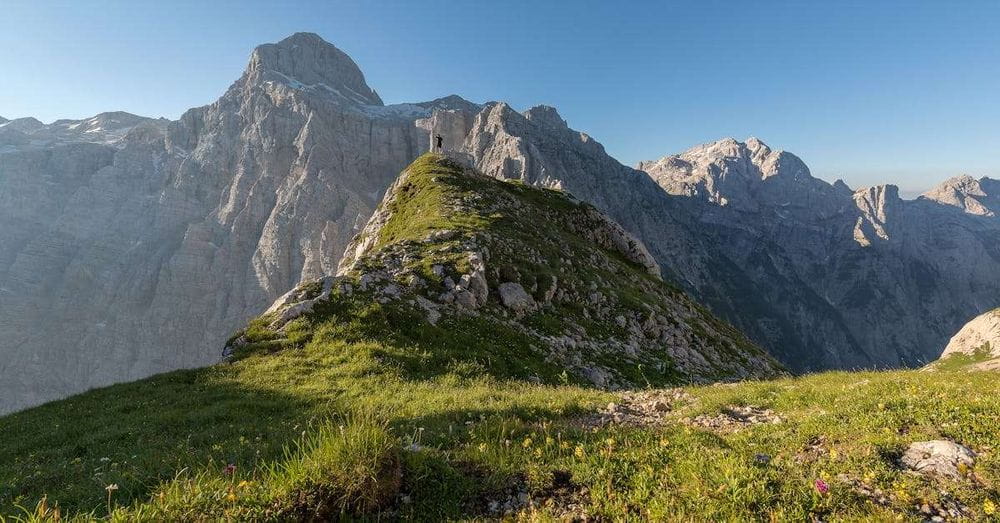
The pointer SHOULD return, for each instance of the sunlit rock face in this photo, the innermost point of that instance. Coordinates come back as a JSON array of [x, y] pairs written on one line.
[[131, 246], [978, 339]]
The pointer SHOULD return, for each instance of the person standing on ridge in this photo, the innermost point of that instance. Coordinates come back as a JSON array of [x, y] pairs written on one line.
[[438, 143]]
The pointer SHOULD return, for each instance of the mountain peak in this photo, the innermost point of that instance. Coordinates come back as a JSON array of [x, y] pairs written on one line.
[[980, 197], [305, 60], [27, 124], [304, 38], [841, 186], [452, 102], [545, 115], [725, 170]]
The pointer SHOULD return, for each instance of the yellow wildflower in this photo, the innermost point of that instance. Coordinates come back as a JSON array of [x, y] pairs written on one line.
[[549, 441], [526, 443], [579, 452], [610, 442], [989, 508], [482, 447], [833, 454]]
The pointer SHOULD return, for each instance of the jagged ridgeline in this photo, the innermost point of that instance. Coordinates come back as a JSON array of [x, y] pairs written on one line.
[[460, 270]]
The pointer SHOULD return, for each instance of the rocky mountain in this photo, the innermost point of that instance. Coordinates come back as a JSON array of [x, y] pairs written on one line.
[[579, 291], [130, 246], [886, 280], [979, 197], [976, 345]]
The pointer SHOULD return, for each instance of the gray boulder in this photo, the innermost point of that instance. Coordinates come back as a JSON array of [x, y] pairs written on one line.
[[939, 458], [514, 297]]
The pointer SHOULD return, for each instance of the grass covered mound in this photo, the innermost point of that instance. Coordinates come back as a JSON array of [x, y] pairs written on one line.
[[580, 290], [361, 407]]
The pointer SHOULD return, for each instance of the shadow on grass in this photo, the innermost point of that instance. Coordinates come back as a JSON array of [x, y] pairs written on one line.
[[140, 434]]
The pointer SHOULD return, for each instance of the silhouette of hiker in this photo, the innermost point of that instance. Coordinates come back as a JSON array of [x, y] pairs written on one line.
[[438, 142]]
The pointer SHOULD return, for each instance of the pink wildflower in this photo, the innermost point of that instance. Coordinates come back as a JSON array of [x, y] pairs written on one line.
[[822, 487], [230, 468]]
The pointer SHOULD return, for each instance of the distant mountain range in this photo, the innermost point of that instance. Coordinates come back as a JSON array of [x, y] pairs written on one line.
[[131, 246]]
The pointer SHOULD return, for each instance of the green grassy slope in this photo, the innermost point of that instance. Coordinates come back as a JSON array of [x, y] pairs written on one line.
[[166, 442], [362, 408]]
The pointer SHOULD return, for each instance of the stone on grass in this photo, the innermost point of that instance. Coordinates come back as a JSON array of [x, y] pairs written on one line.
[[939, 458], [514, 297]]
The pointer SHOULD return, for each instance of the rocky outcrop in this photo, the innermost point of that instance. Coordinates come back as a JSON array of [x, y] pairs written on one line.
[[514, 297], [976, 346], [980, 334]]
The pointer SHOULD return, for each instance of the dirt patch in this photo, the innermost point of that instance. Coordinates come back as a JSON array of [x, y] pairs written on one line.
[[859, 487], [945, 508], [562, 498], [640, 408], [814, 449], [735, 418]]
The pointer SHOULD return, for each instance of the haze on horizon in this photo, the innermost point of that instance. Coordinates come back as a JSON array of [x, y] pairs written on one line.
[[898, 92]]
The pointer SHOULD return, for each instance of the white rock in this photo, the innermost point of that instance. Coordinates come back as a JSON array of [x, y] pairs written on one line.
[[938, 457]]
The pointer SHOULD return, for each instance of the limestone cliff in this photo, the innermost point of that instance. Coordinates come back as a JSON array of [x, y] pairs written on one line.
[[131, 246]]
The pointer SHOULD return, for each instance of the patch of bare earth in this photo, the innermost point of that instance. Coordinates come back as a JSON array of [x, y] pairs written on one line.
[[640, 408], [562, 498], [734, 418]]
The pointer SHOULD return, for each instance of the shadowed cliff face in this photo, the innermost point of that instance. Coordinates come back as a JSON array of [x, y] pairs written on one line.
[[131, 246], [900, 276]]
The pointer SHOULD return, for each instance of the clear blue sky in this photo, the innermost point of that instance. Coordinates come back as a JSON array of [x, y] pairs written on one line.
[[906, 92]]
